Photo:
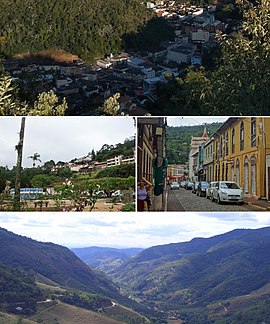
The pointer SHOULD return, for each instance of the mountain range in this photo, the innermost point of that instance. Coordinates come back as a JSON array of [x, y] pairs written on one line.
[[196, 274], [221, 279], [105, 258], [58, 271]]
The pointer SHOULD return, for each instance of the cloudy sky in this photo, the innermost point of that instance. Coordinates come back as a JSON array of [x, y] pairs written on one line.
[[60, 139], [126, 229], [191, 121]]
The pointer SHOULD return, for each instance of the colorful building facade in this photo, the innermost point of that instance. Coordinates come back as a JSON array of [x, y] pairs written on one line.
[[242, 154]]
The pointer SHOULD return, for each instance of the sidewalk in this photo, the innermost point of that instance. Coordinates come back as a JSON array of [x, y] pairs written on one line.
[[258, 203]]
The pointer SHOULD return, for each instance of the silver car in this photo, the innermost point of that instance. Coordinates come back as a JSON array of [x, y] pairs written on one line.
[[227, 191], [175, 185]]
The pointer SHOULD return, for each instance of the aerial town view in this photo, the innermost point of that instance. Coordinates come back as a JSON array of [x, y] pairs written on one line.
[[186, 164], [58, 164], [153, 58], [134, 162]]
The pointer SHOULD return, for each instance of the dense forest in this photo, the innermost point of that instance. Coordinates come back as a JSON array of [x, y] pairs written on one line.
[[89, 29], [178, 144]]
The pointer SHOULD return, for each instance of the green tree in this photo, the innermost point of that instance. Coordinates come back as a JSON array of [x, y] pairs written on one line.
[[47, 104], [42, 180], [110, 106], [47, 166], [35, 157], [240, 85]]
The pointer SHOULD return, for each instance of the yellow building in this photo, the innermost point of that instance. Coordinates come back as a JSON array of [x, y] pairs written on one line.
[[242, 154]]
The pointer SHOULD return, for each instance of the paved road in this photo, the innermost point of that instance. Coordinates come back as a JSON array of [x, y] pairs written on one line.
[[185, 200]]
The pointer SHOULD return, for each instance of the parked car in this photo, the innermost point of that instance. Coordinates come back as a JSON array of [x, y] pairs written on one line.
[[195, 187], [175, 185], [182, 184], [188, 185], [209, 190], [227, 191], [202, 187]]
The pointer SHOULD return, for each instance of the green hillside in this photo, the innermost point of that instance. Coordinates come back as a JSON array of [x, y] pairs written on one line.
[[61, 273], [54, 262], [90, 29], [178, 140], [187, 278], [18, 289]]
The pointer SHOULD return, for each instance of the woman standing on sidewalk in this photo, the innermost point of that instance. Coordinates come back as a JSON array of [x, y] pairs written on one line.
[[141, 196]]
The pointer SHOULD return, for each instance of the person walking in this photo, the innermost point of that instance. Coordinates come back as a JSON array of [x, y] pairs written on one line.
[[141, 196]]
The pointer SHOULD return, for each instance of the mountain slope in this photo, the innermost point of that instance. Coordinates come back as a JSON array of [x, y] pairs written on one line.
[[55, 264], [52, 261], [105, 258], [89, 29], [200, 271]]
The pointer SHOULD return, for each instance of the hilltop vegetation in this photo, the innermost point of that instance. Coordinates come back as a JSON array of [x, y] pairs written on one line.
[[179, 140], [89, 29]]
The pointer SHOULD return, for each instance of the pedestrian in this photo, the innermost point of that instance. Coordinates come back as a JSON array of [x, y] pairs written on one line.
[[141, 196]]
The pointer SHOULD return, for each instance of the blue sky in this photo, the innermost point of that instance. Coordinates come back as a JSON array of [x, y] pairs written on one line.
[[60, 139], [127, 229]]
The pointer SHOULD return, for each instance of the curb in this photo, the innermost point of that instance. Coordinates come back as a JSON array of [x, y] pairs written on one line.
[[260, 207]]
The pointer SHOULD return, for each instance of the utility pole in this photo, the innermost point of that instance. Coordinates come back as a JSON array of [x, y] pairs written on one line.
[[19, 149]]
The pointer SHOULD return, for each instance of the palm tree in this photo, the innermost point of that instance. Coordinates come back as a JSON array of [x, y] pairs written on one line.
[[35, 157], [19, 149]]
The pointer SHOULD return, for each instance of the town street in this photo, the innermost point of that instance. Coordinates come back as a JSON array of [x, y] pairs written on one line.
[[185, 200]]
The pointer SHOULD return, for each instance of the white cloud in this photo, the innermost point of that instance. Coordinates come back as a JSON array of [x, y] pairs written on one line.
[[60, 139], [126, 229], [193, 121]]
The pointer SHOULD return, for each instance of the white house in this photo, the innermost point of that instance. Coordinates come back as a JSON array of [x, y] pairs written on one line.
[[200, 36], [181, 54]]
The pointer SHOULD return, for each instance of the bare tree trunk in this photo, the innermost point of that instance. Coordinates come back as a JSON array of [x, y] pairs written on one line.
[[19, 149]]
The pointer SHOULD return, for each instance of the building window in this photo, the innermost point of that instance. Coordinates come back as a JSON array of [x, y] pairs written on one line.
[[242, 136], [253, 175], [233, 141], [246, 171], [253, 131], [237, 172], [221, 147], [227, 144]]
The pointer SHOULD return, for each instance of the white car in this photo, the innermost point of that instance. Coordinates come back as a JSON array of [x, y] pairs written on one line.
[[174, 185], [227, 191], [209, 190]]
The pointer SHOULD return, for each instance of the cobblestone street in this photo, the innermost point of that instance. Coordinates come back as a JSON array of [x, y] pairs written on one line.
[[185, 200]]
